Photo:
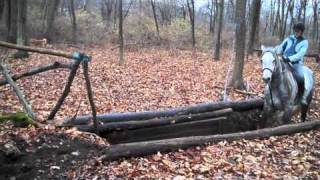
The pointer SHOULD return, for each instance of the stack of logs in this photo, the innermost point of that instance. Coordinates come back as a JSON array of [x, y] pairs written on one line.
[[195, 120]]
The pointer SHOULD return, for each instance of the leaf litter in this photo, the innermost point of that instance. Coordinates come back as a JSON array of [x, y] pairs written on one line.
[[151, 79]]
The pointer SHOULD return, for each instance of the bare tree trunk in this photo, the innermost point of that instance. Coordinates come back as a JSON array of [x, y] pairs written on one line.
[[21, 28], [315, 29], [12, 21], [240, 43], [213, 15], [121, 48], [155, 18], [291, 14], [304, 6], [115, 13], [2, 4], [184, 12], [300, 11], [218, 39], [272, 5], [192, 15], [284, 28], [73, 21], [86, 5], [254, 25], [52, 8], [282, 20], [276, 23]]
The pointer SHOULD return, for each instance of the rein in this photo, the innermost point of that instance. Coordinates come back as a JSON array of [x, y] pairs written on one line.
[[269, 84]]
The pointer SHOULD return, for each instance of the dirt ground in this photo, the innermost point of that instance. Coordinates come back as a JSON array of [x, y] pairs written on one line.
[[151, 79]]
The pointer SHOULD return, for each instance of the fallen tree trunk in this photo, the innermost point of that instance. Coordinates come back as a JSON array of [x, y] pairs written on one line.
[[37, 70], [194, 128], [115, 152], [194, 109], [155, 122]]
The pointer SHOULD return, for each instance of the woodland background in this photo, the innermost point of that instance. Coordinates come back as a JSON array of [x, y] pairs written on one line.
[[150, 55]]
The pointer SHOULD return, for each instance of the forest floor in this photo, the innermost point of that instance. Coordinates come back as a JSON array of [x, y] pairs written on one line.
[[151, 79]]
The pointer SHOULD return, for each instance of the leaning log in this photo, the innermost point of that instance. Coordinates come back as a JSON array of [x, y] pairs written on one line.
[[238, 106], [37, 70], [90, 95], [37, 50], [26, 105], [66, 90], [113, 126], [115, 152]]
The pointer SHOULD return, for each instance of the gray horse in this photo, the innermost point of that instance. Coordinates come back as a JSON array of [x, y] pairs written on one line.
[[282, 91]]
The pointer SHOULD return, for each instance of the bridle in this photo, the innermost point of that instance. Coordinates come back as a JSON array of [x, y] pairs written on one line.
[[269, 86]]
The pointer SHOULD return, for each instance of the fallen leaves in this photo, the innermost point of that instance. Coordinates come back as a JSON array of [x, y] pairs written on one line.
[[158, 79]]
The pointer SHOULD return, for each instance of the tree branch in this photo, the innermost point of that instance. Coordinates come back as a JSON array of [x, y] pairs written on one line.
[[66, 90], [37, 70], [37, 50], [22, 99]]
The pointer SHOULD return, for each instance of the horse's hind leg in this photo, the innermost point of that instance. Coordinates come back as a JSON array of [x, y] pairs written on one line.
[[304, 110]]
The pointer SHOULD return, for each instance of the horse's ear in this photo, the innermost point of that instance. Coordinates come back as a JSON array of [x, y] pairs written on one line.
[[263, 48]]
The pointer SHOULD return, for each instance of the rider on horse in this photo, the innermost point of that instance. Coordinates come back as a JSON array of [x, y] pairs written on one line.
[[293, 50]]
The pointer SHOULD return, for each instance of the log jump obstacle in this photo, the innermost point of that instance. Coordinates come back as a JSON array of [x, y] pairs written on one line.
[[144, 133], [194, 120]]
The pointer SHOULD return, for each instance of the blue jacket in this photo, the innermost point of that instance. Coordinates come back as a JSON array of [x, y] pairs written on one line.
[[295, 52]]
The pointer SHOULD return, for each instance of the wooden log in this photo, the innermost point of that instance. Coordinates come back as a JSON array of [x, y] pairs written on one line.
[[194, 109], [194, 128], [235, 122], [37, 70], [37, 50], [138, 149], [66, 90], [106, 127], [26, 106], [90, 95]]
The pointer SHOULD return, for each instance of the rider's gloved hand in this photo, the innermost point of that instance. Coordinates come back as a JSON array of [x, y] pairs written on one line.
[[286, 59]]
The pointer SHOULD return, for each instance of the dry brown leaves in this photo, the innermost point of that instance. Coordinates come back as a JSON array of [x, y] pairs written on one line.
[[157, 79], [288, 157]]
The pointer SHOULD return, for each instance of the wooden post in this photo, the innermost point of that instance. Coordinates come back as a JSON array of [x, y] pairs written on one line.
[[23, 101], [66, 90], [90, 95]]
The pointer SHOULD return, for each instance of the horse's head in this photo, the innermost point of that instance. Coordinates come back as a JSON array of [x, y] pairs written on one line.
[[268, 61]]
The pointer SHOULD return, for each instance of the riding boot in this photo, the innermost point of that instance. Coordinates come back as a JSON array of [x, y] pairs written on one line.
[[308, 85]]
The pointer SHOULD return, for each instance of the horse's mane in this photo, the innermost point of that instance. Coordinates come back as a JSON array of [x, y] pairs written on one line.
[[269, 49]]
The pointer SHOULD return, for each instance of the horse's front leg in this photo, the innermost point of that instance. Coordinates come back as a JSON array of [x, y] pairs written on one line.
[[288, 111]]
